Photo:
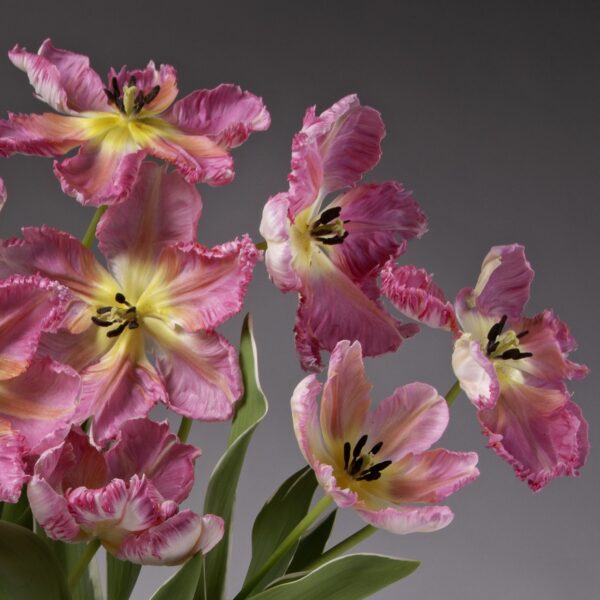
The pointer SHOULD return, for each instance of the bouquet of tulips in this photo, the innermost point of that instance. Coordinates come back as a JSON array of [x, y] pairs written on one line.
[[88, 347]]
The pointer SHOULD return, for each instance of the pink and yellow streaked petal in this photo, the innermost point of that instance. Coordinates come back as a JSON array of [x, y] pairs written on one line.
[[13, 470], [409, 519], [199, 371], [412, 291], [409, 421]]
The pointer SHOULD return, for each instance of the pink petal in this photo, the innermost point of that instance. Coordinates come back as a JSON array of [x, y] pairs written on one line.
[[98, 175], [119, 387], [274, 227], [196, 157], [47, 134], [503, 285], [148, 448], [225, 114], [334, 150], [200, 372], [431, 476], [409, 421], [343, 497], [40, 403], [155, 194], [12, 466], [413, 292], [475, 372], [146, 79], [173, 541], [61, 78], [409, 519], [346, 400], [379, 218], [200, 288], [539, 431], [51, 511], [333, 308], [29, 305]]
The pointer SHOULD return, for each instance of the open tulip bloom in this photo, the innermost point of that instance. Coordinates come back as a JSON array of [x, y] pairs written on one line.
[[88, 347]]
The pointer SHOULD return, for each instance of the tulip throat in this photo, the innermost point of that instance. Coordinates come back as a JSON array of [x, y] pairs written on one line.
[[328, 228], [504, 345], [360, 465], [130, 100], [122, 317]]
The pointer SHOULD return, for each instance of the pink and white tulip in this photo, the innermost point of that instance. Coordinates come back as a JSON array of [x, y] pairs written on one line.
[[117, 125], [379, 462], [162, 293], [332, 254], [513, 369], [127, 497], [38, 396]]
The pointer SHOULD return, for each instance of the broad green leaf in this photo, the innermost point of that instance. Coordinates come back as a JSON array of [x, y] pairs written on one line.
[[28, 569], [277, 518], [121, 576], [352, 577], [312, 544], [182, 586], [18, 513]]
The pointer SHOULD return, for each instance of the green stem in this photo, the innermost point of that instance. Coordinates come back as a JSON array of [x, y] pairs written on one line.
[[342, 547], [88, 239], [83, 563], [261, 245], [184, 428], [452, 393], [287, 544]]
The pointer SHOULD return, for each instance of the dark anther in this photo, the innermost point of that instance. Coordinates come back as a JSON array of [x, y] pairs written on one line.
[[130, 310], [133, 325], [110, 96], [493, 333], [132, 81], [376, 448], [117, 331], [103, 310], [370, 476], [523, 333], [356, 465], [346, 455], [152, 94], [102, 322], [115, 86], [515, 354], [329, 215], [120, 298], [359, 446], [374, 472], [338, 239]]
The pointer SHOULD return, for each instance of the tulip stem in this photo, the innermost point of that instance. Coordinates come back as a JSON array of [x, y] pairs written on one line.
[[285, 546], [343, 546], [184, 429], [88, 239], [82, 565], [261, 245], [452, 393]]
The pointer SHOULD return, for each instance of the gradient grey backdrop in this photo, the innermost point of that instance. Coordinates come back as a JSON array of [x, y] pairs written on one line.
[[492, 115]]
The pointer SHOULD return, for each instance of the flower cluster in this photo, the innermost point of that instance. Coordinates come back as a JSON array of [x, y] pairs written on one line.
[[89, 347]]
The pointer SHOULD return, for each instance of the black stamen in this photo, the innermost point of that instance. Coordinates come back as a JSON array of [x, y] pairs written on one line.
[[132, 81], [139, 102], [115, 86], [369, 476], [376, 448], [118, 331], [102, 322], [359, 446], [356, 465], [329, 215], [384, 464], [346, 455], [152, 94], [110, 95], [120, 298], [338, 239], [120, 105], [133, 325], [515, 354], [523, 333], [496, 329], [103, 310], [130, 310]]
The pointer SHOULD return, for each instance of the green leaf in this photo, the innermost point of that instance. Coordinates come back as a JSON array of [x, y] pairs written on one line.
[[350, 577], [312, 544], [28, 569], [182, 586], [220, 496], [277, 518], [121, 576], [19, 513]]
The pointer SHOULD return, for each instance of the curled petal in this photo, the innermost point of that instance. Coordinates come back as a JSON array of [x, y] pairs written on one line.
[[12, 466], [199, 288], [225, 114], [61, 78], [475, 372], [343, 497], [173, 541], [200, 372], [138, 227], [98, 174], [379, 218], [409, 421], [539, 431], [29, 305], [148, 448], [409, 519], [413, 292]]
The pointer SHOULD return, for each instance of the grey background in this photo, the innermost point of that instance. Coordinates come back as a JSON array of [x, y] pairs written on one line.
[[492, 118]]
